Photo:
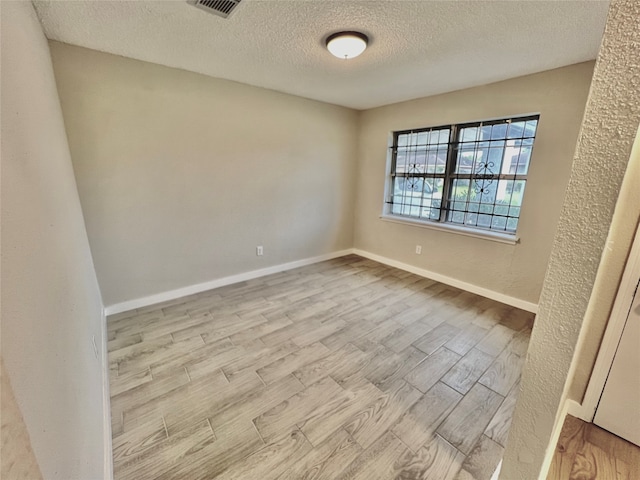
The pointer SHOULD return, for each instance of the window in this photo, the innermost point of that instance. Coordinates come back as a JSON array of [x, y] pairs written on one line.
[[471, 174]]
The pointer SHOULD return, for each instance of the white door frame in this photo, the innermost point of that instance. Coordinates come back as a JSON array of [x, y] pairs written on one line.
[[613, 332]]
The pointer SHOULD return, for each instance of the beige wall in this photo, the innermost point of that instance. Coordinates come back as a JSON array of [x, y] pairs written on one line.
[[580, 282], [181, 175], [51, 305], [513, 270]]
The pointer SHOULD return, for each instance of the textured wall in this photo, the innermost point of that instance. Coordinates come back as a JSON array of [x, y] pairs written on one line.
[[51, 305], [614, 257], [181, 176], [611, 120], [514, 270]]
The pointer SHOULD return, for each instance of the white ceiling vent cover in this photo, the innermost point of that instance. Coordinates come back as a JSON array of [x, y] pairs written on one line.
[[222, 8]]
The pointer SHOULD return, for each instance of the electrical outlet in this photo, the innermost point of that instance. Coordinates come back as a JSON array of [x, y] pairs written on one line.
[[419, 249], [259, 250], [95, 347]]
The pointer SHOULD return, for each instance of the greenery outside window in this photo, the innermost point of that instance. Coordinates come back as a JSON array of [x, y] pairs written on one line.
[[471, 175]]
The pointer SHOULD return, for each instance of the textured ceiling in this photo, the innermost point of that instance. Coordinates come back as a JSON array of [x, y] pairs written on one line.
[[417, 48]]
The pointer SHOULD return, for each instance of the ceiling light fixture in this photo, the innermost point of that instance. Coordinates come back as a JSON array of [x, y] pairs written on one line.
[[347, 44]]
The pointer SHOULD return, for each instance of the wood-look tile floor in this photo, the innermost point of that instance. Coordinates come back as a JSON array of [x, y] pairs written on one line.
[[346, 369], [587, 452]]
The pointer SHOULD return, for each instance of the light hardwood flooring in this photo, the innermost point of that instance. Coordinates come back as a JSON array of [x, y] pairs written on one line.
[[346, 369], [587, 452], [17, 460]]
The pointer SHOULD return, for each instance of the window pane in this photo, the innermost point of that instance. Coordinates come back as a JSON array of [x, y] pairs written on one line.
[[403, 140], [468, 134], [499, 130], [516, 130], [401, 160], [417, 197], [499, 223], [422, 152], [530, 128]]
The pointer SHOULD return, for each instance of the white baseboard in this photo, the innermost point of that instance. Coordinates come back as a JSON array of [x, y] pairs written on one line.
[[577, 410], [219, 282], [106, 399], [454, 282], [241, 277], [496, 472]]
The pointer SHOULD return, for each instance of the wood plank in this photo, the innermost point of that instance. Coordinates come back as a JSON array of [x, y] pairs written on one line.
[[417, 426], [570, 442], [135, 442], [498, 429], [145, 394], [134, 350], [259, 330], [122, 383], [371, 423], [116, 343], [386, 370], [351, 332], [465, 424], [406, 335], [436, 338], [342, 358], [468, 370], [328, 418], [437, 460], [206, 401], [279, 419], [254, 359], [482, 461], [255, 402], [233, 442], [466, 339], [272, 460], [323, 330], [496, 340], [175, 452], [503, 373], [592, 463], [615, 446], [377, 462], [432, 369], [292, 362], [325, 461], [216, 355], [143, 359]]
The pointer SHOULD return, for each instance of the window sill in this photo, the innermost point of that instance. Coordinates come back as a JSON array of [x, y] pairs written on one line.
[[447, 227]]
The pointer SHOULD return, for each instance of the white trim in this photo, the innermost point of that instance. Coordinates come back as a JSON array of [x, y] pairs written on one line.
[[451, 228], [569, 407], [106, 399], [496, 472], [241, 277], [576, 410], [613, 332], [219, 282], [454, 282]]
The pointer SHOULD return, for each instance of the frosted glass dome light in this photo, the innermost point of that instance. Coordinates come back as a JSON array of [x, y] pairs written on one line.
[[347, 45]]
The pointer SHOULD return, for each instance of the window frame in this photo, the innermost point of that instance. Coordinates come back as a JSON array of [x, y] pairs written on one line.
[[443, 222]]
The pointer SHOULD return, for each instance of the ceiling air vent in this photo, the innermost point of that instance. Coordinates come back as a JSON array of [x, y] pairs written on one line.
[[222, 8]]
